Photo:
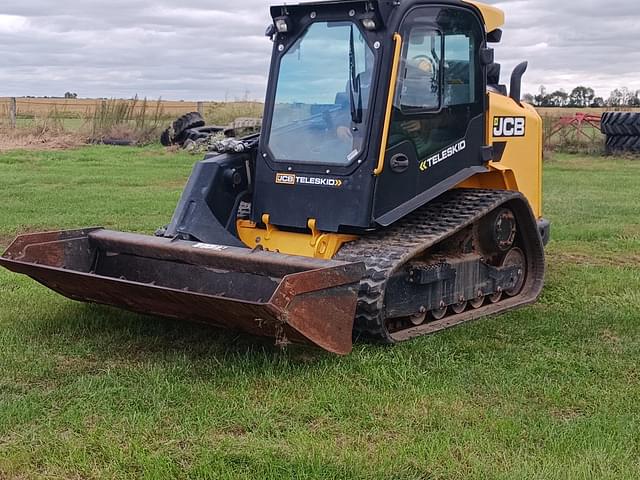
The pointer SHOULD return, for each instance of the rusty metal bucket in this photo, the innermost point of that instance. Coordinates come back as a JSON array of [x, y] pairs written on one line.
[[292, 299]]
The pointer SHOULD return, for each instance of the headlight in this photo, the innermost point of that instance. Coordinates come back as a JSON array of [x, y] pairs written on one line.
[[371, 22], [283, 24]]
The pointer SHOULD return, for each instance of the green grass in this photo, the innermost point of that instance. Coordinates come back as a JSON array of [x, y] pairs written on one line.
[[548, 392], [125, 188]]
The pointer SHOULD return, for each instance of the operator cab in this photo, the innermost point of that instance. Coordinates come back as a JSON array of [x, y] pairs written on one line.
[[373, 109]]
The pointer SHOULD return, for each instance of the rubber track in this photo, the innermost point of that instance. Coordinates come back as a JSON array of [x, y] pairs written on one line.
[[387, 251]]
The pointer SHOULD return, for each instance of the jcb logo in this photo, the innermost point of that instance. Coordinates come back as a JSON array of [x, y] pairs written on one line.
[[286, 179], [292, 179], [509, 126]]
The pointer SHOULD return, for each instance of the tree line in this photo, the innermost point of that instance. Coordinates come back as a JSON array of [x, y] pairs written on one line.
[[582, 97]]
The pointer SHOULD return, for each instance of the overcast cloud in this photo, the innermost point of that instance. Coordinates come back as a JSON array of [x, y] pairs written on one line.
[[212, 49]]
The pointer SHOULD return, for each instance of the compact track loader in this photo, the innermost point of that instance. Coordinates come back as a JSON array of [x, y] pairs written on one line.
[[394, 191]]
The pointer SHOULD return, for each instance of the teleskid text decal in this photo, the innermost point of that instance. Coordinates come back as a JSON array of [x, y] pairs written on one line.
[[443, 155], [293, 179], [509, 127]]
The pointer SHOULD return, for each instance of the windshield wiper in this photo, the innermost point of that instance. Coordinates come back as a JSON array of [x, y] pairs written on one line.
[[355, 90]]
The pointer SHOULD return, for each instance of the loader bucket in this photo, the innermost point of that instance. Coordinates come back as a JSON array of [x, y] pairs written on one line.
[[292, 299]]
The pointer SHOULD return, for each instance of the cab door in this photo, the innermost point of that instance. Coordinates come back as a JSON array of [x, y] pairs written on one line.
[[437, 127]]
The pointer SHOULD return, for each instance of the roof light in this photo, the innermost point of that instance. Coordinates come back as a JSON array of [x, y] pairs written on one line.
[[283, 24], [370, 21]]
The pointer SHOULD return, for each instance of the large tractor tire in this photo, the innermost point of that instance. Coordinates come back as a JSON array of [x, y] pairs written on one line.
[[178, 132], [187, 121], [620, 124], [623, 143], [165, 138]]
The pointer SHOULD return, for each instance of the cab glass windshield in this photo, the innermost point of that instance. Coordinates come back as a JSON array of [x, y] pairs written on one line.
[[322, 97]]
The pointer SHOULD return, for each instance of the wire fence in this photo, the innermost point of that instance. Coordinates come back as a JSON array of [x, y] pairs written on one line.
[[73, 112], [33, 108], [8, 112], [136, 121]]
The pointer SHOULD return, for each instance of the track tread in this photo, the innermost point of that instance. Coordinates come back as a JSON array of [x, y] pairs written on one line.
[[385, 251], [623, 143], [620, 123]]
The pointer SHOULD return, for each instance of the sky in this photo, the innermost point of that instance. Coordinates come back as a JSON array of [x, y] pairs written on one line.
[[216, 50]]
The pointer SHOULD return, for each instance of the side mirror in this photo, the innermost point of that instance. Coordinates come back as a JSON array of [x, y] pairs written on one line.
[[495, 36], [516, 81], [271, 31]]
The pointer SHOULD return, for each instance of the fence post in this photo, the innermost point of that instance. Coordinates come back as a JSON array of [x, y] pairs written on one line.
[[200, 108], [13, 111]]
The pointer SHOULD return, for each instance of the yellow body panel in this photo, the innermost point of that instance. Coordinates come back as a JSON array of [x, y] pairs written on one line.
[[315, 244], [520, 168], [493, 17]]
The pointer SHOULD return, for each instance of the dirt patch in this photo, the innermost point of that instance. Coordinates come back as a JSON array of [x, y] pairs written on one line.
[[89, 365], [610, 336], [171, 184], [567, 414], [631, 231], [37, 139], [630, 260]]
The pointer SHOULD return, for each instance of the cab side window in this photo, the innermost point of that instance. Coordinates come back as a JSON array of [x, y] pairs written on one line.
[[439, 87], [459, 69], [419, 85]]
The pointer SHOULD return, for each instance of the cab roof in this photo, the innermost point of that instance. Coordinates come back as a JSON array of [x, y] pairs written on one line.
[[493, 17]]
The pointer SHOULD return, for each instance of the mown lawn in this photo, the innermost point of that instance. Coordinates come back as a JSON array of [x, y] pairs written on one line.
[[552, 391]]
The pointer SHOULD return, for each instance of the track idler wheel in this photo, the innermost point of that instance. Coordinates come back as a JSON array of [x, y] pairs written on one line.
[[439, 314], [477, 302], [496, 297], [497, 232], [418, 319], [515, 257], [459, 307]]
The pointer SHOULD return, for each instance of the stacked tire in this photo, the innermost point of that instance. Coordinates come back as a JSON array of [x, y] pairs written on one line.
[[622, 130], [178, 131]]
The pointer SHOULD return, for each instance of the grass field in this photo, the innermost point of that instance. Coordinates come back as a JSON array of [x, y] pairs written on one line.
[[548, 392]]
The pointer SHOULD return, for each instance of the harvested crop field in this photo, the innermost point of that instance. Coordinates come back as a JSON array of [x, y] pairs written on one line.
[[38, 139]]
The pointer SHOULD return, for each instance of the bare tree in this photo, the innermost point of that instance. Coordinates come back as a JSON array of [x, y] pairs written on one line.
[[581, 97]]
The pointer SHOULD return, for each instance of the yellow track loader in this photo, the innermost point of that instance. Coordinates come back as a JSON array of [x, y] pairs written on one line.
[[394, 191]]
